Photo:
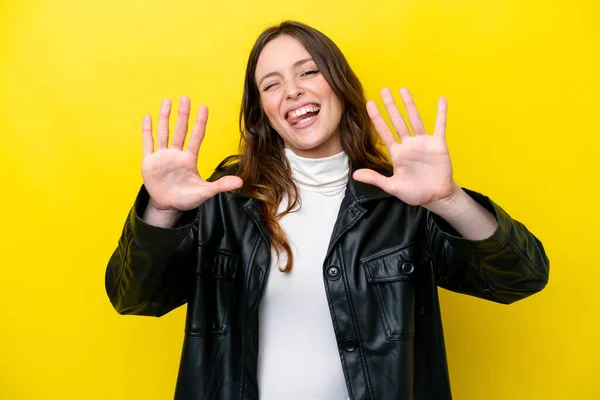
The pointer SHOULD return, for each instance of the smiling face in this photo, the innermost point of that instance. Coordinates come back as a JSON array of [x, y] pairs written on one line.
[[298, 101]]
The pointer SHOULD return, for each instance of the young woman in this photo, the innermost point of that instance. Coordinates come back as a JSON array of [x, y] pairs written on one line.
[[309, 262]]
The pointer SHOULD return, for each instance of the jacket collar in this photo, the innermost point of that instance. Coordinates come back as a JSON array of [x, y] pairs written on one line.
[[364, 192], [351, 209], [359, 192]]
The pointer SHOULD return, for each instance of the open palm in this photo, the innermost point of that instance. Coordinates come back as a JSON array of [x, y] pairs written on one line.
[[421, 162], [171, 174]]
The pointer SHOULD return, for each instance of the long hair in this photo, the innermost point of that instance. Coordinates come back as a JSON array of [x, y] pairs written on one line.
[[263, 167]]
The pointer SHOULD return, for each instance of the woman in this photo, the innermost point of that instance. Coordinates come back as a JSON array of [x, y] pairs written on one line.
[[311, 234]]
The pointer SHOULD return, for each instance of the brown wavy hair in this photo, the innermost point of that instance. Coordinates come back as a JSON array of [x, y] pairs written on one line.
[[262, 164]]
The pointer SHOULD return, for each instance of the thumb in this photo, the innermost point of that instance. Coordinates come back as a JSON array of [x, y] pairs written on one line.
[[372, 178], [225, 184]]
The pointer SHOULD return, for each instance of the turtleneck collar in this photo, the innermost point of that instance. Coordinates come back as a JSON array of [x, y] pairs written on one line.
[[328, 175]]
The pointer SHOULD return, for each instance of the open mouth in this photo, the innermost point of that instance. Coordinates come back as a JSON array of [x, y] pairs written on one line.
[[303, 115]]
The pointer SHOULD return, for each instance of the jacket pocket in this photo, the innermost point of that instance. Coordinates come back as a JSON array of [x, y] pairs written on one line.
[[392, 279], [210, 306]]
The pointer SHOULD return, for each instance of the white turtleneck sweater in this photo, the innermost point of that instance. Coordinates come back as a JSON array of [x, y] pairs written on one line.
[[298, 356]]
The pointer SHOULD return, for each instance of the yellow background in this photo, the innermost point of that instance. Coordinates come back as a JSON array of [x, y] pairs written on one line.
[[76, 77]]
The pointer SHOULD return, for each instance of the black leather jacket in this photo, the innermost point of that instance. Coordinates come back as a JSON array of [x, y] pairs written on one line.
[[384, 264]]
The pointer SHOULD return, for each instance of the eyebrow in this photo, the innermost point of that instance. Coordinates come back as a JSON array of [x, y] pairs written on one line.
[[296, 65]]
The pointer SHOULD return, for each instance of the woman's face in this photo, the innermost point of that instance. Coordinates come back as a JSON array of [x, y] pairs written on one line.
[[300, 104]]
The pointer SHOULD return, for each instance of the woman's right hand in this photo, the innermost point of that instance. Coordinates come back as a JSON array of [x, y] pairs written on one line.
[[170, 173]]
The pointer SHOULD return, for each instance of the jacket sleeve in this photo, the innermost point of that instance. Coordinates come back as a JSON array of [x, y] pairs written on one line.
[[506, 267], [148, 273]]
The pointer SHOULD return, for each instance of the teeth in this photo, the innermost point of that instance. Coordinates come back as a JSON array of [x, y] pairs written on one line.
[[305, 120], [301, 111]]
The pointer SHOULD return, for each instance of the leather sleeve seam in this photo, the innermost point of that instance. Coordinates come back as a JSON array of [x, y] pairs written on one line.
[[527, 261]]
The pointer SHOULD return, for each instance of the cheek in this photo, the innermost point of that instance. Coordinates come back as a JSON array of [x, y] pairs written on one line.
[[322, 87], [336, 106], [326, 92], [270, 106], [339, 106]]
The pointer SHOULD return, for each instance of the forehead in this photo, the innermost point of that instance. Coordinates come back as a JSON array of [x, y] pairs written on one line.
[[280, 54]]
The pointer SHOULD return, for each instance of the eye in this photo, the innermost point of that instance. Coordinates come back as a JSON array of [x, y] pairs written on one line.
[[311, 72], [269, 86]]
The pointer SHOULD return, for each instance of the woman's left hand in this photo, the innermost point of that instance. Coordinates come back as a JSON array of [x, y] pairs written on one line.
[[421, 162]]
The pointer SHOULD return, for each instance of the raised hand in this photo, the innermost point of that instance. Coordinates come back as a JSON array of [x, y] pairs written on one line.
[[421, 162], [170, 173]]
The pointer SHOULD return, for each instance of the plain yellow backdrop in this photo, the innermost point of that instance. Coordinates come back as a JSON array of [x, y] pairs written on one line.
[[76, 77]]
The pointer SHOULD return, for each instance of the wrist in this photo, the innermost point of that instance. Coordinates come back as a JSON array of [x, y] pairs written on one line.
[[448, 203], [160, 217], [466, 216]]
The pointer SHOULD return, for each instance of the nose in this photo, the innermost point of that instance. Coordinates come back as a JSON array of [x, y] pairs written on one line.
[[293, 91]]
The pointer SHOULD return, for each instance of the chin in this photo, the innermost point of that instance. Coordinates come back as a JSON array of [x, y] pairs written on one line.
[[314, 149], [308, 143]]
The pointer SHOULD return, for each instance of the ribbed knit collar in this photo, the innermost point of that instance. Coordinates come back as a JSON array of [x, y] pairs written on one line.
[[327, 175]]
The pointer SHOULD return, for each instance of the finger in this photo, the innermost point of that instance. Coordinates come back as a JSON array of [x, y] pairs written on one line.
[[394, 113], [162, 131], [413, 115], [198, 131], [147, 139], [373, 178], [380, 125], [440, 120], [181, 126], [225, 184]]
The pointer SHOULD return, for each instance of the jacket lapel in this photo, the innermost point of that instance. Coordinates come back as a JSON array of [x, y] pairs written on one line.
[[253, 210], [351, 209]]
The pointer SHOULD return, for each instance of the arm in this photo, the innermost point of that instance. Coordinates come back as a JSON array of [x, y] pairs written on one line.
[[505, 266], [478, 249], [466, 216], [148, 272]]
